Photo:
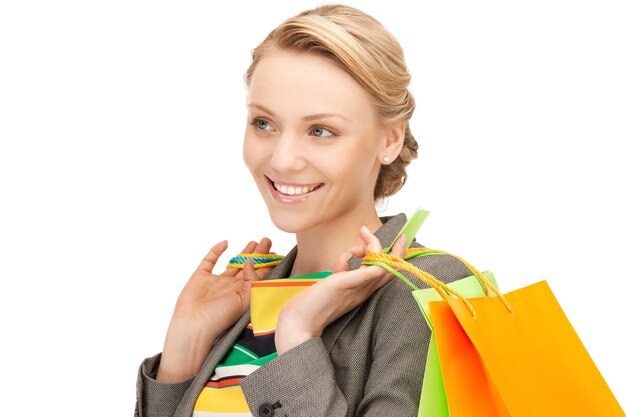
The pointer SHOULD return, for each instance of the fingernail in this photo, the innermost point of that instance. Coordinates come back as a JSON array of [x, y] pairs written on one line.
[[403, 241]]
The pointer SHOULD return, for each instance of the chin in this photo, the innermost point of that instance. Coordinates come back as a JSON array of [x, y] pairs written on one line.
[[289, 222]]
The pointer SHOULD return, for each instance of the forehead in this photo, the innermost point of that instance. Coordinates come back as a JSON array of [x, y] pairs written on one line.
[[297, 83]]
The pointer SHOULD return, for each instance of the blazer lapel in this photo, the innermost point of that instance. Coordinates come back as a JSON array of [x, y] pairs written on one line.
[[283, 269]]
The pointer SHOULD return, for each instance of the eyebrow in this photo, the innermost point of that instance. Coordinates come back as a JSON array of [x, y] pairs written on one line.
[[305, 118]]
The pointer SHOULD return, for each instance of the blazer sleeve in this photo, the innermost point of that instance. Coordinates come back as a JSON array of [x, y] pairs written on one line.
[[155, 398], [298, 383]]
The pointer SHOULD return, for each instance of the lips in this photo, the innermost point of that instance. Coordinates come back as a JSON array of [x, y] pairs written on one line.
[[292, 191]]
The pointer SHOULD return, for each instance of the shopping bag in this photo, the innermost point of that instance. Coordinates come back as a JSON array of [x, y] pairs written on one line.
[[433, 401], [268, 297], [510, 355]]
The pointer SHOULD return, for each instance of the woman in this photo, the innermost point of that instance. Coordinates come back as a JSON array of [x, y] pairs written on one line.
[[327, 136]]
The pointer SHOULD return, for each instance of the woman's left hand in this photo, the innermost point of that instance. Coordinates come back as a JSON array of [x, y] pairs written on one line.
[[308, 313]]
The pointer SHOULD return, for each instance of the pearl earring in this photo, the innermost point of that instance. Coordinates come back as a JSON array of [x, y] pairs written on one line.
[[386, 159]]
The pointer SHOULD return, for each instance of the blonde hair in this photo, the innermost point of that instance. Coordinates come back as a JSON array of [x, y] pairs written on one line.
[[362, 47]]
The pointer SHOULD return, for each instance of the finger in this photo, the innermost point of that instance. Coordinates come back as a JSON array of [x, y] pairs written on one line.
[[384, 278], [398, 250], [380, 275], [249, 274], [358, 251], [231, 272], [249, 247], [260, 247], [399, 247], [372, 244], [245, 294], [366, 236], [364, 279], [264, 246], [375, 277], [341, 264], [209, 261]]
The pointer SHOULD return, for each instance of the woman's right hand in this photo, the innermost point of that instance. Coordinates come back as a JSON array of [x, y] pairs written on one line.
[[208, 305]]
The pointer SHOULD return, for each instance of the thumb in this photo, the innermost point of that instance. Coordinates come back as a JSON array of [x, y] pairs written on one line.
[[249, 273]]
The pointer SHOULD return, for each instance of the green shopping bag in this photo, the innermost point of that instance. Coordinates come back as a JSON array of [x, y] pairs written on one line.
[[433, 401]]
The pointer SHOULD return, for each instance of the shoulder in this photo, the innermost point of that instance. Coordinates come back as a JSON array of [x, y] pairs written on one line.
[[393, 311], [444, 267]]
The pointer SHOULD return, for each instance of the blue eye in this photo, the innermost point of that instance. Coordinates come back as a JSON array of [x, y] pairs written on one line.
[[321, 132], [261, 124]]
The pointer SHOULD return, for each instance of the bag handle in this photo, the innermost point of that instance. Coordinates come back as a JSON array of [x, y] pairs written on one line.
[[261, 260], [391, 262]]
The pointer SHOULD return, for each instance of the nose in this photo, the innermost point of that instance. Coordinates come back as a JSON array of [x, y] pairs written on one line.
[[288, 153]]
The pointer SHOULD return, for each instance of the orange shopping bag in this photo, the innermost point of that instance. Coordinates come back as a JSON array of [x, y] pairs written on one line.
[[514, 355]]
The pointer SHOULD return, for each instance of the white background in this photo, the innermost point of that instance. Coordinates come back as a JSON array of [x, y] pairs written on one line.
[[121, 125]]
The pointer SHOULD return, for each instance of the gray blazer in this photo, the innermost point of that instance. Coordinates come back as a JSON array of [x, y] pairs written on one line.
[[369, 362]]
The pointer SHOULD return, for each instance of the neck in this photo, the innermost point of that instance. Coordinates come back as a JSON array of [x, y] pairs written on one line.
[[320, 247]]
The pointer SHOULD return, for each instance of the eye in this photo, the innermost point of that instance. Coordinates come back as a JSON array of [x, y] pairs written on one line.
[[321, 132], [261, 124]]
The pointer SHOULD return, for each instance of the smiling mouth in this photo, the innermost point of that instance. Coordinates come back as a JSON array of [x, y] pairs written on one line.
[[294, 189]]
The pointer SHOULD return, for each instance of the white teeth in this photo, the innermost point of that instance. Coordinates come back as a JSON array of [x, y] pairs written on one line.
[[293, 190]]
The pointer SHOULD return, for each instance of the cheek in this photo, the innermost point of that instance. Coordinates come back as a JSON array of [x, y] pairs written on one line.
[[359, 156], [247, 154], [355, 168], [251, 152], [347, 170]]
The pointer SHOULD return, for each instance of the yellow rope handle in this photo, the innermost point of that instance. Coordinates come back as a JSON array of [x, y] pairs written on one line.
[[430, 280], [399, 263], [486, 283]]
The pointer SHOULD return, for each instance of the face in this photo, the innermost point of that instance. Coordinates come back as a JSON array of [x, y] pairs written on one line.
[[313, 142]]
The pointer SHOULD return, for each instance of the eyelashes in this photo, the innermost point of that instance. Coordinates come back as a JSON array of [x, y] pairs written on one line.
[[316, 131], [257, 123]]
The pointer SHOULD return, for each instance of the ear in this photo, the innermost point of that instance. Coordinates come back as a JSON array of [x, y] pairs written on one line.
[[393, 142]]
